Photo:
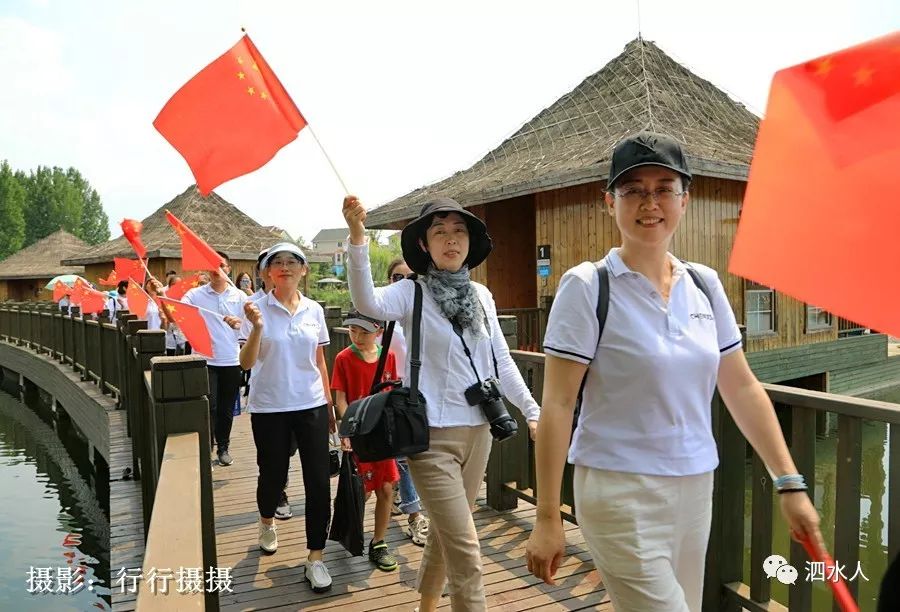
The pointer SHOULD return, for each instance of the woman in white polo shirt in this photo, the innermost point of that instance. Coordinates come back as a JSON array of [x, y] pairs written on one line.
[[643, 447], [462, 344], [286, 335]]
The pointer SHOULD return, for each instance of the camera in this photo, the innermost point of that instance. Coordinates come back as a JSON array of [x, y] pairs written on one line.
[[487, 394]]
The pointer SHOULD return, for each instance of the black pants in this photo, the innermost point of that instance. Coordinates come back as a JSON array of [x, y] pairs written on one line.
[[272, 433], [224, 383]]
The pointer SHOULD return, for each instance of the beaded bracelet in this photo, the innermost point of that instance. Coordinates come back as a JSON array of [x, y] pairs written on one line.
[[789, 480], [792, 490]]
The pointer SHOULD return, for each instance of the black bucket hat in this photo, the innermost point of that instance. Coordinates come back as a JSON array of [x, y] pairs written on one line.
[[480, 243], [646, 149]]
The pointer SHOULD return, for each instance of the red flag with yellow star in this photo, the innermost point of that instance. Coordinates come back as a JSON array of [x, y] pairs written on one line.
[[177, 291], [132, 230], [190, 320], [93, 301], [60, 290], [817, 220], [195, 253], [138, 300], [231, 118], [78, 290], [128, 269]]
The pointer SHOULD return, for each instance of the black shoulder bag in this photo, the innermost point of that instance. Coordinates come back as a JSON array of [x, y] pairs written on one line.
[[392, 424]]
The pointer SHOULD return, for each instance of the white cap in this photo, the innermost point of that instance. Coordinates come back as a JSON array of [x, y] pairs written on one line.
[[281, 247]]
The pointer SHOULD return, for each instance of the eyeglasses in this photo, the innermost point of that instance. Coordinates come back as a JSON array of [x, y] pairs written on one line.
[[396, 278], [285, 263], [663, 195]]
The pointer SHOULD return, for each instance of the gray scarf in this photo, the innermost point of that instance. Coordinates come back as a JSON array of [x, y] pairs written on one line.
[[456, 297]]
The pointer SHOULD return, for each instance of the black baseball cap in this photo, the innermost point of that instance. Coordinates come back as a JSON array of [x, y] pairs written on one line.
[[646, 149]]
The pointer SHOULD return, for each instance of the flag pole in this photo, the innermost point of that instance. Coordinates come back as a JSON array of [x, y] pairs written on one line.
[[328, 158]]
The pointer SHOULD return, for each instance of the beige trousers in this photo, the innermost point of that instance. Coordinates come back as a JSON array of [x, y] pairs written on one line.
[[647, 535], [447, 477]]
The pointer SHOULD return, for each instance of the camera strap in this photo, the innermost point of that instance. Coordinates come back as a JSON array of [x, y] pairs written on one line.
[[457, 328], [414, 362]]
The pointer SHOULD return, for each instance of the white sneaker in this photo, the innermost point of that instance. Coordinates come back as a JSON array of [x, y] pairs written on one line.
[[268, 538], [318, 576], [417, 529]]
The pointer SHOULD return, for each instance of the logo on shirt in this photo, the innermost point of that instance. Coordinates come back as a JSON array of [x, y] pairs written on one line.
[[702, 316]]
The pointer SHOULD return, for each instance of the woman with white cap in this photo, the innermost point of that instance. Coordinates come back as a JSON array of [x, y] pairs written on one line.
[[285, 335], [643, 448], [463, 355]]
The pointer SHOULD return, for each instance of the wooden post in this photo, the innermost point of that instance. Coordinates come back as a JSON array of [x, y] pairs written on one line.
[[134, 380], [122, 358], [332, 319], [147, 344], [101, 378], [180, 387]]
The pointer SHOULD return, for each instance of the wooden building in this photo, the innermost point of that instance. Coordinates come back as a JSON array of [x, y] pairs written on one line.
[[24, 274], [541, 191], [221, 224]]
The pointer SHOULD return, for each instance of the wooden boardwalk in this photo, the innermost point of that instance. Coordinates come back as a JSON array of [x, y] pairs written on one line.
[[275, 582], [126, 540]]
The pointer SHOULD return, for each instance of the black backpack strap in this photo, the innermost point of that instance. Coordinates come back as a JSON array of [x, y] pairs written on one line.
[[382, 359], [602, 312], [414, 362], [698, 280]]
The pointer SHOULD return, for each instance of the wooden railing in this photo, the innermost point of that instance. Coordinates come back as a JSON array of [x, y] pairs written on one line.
[[167, 415], [849, 328], [531, 324], [511, 476]]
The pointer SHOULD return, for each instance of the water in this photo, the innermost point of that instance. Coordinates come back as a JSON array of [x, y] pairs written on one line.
[[50, 518], [873, 513]]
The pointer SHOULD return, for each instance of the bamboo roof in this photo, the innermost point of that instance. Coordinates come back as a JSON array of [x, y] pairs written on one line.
[[42, 259], [570, 142], [221, 224]]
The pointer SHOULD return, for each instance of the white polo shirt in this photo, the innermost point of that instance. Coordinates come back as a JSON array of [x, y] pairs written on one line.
[[286, 374], [154, 321], [224, 339], [446, 372], [646, 406]]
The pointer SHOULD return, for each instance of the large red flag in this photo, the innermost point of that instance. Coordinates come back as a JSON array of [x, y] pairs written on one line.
[[193, 325], [177, 291], [195, 253], [817, 220], [93, 301], [137, 299], [60, 290], [130, 269], [231, 118], [132, 230]]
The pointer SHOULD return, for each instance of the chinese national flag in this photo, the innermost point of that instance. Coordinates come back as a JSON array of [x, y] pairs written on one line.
[[129, 269], [231, 118], [817, 221], [195, 253], [111, 279], [137, 299], [192, 323], [132, 230], [177, 291], [93, 301], [78, 290], [60, 289]]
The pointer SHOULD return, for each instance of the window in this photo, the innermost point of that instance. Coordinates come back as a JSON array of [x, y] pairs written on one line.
[[817, 319], [315, 246], [759, 302], [340, 244]]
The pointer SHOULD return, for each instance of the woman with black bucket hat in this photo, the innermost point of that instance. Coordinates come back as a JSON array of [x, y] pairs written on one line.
[[643, 448], [465, 364]]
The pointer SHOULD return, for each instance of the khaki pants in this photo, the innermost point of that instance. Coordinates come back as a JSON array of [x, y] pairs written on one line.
[[647, 535], [447, 477]]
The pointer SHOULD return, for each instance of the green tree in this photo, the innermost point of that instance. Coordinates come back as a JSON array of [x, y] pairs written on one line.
[[12, 216], [58, 198]]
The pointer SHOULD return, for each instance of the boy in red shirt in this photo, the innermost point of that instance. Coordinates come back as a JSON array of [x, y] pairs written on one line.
[[354, 369]]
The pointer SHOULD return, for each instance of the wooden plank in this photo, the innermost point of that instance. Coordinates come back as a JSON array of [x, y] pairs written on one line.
[[761, 530], [174, 540], [803, 450], [739, 595], [893, 496], [847, 514]]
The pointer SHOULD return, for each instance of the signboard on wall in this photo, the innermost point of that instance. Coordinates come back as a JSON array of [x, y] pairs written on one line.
[[543, 260]]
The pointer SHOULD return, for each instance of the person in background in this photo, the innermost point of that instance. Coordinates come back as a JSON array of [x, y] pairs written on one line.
[[172, 279], [224, 370], [118, 301], [351, 379], [203, 278], [244, 283], [156, 318], [406, 500]]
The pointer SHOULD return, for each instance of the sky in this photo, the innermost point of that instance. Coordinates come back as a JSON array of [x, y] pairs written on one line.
[[400, 93]]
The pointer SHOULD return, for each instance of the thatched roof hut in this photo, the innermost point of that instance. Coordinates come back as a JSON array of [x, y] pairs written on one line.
[[217, 221], [570, 142], [24, 274]]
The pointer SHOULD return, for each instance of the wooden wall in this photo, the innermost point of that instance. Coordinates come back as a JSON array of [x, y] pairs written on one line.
[[575, 222], [25, 290]]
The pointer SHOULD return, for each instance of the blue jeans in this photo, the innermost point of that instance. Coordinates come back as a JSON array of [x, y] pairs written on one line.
[[409, 497]]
